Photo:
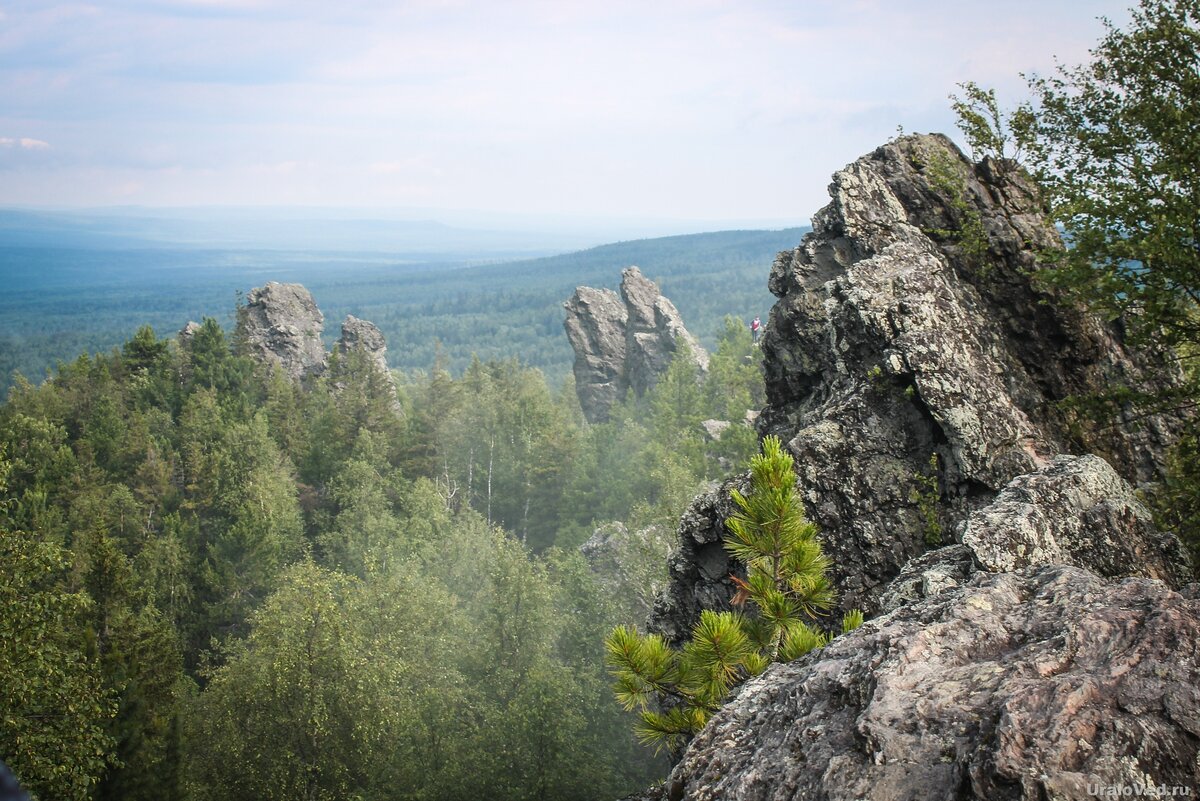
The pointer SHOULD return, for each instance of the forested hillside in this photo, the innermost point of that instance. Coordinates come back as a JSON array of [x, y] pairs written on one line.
[[60, 302], [219, 584]]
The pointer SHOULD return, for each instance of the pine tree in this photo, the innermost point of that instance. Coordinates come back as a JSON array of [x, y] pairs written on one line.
[[787, 586]]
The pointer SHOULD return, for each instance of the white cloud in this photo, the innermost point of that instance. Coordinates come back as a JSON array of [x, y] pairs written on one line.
[[24, 142]]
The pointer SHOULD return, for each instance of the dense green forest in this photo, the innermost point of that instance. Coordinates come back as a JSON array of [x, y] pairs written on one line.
[[60, 302], [219, 584]]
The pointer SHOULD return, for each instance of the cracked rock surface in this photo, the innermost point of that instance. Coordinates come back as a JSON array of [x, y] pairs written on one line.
[[913, 369], [623, 342], [281, 325], [1038, 684]]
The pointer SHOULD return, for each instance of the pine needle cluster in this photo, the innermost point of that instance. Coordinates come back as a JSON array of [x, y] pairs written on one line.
[[786, 590]]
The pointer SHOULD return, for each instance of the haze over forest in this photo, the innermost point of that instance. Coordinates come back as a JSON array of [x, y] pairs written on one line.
[[345, 453]]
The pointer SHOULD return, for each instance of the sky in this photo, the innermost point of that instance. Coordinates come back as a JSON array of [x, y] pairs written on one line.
[[702, 111]]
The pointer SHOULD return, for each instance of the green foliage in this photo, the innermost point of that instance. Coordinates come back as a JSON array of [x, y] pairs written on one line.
[[54, 707], [990, 132], [1113, 144], [289, 714], [788, 586], [926, 494], [62, 302], [949, 177], [345, 589], [1116, 144]]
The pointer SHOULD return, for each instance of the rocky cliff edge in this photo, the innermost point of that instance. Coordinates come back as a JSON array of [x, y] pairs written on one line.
[[1034, 636]]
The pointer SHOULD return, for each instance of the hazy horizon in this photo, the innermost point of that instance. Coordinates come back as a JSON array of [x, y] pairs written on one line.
[[695, 114]]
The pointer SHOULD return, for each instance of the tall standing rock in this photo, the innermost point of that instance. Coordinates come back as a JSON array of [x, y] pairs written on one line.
[[595, 325], [364, 337], [281, 325], [623, 343], [914, 369], [654, 330]]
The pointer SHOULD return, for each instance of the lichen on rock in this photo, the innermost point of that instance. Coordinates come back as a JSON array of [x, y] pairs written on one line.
[[1028, 685], [914, 371]]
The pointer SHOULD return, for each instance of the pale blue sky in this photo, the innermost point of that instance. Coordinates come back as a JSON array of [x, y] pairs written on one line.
[[702, 110]]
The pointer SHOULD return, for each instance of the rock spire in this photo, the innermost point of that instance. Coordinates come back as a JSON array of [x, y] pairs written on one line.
[[623, 343]]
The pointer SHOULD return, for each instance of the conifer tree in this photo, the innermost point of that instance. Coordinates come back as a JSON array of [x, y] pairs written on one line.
[[787, 588]]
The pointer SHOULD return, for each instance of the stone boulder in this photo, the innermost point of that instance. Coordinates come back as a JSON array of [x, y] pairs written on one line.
[[913, 367], [1046, 683], [623, 343], [281, 325], [1076, 511]]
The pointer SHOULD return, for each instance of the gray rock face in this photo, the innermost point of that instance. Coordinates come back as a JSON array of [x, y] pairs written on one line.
[[700, 568], [595, 326], [281, 325], [364, 337], [623, 343], [1041, 684], [907, 327], [1077, 511], [654, 331]]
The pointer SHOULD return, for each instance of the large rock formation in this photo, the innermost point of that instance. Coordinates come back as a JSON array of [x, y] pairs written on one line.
[[914, 369], [363, 336], [595, 326], [281, 325], [915, 372], [623, 343], [1046, 683]]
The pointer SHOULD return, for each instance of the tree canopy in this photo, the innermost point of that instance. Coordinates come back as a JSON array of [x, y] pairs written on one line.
[[1115, 145]]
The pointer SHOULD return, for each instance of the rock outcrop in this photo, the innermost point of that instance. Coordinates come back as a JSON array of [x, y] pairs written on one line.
[[1046, 683], [281, 325], [623, 343], [1051, 650], [362, 336], [1076, 511], [914, 369], [188, 331]]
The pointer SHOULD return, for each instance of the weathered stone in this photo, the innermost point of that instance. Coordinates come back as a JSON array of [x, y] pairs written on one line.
[[654, 331], [907, 329], [364, 337], [713, 429], [281, 325], [1041, 684], [700, 568], [595, 325], [1076, 511], [623, 343], [927, 575]]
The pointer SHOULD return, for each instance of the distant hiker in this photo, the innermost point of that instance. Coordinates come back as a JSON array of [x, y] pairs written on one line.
[[756, 329]]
